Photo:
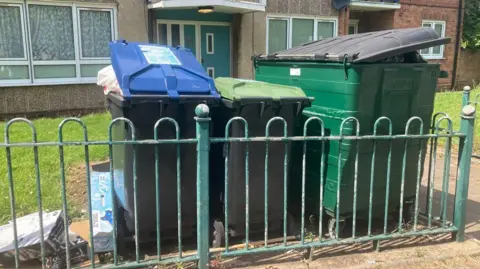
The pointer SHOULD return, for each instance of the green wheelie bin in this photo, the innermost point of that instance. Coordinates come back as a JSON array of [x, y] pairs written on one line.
[[257, 103], [366, 76]]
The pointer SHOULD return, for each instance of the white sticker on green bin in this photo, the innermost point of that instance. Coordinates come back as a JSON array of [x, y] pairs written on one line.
[[159, 55], [295, 72]]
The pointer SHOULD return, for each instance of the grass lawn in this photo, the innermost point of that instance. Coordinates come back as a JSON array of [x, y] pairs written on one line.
[[49, 162], [97, 125], [451, 103]]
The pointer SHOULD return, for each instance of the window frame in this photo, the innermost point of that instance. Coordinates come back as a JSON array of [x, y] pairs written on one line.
[[322, 19], [354, 23], [79, 60], [211, 69], [18, 61], [210, 52], [290, 19], [22, 21], [112, 29], [430, 55], [168, 31], [289, 31]]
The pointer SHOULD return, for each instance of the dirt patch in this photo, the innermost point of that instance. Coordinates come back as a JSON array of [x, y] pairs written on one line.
[[422, 252], [77, 187], [464, 262]]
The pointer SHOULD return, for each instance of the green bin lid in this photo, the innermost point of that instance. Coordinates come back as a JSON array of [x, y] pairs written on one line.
[[239, 90]]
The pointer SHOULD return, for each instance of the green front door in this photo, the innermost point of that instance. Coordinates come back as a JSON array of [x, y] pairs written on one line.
[[215, 47]]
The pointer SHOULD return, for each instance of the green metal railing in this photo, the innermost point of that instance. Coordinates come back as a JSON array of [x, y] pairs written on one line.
[[467, 98], [424, 223]]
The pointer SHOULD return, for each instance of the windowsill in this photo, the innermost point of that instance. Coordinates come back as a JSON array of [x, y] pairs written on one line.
[[48, 83], [433, 57]]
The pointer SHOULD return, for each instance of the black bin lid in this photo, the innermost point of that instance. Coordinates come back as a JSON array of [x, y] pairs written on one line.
[[367, 47]]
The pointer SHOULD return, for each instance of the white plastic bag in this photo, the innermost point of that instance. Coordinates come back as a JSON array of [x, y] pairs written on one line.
[[107, 78]]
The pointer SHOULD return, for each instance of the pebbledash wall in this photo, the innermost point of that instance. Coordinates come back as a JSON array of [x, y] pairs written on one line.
[[48, 100]]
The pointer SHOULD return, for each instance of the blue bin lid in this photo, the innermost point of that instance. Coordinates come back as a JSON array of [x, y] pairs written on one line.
[[151, 70]]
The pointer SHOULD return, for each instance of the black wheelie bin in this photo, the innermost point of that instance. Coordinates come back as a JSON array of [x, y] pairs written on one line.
[[156, 82], [257, 103]]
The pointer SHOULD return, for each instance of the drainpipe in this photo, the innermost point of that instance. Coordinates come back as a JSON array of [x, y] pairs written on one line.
[[253, 42], [457, 43]]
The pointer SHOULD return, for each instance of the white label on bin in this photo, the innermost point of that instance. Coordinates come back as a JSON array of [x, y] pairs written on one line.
[[159, 55], [295, 71]]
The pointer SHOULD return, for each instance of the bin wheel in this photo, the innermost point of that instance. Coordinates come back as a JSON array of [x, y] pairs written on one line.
[[218, 234], [332, 227], [102, 258], [408, 212]]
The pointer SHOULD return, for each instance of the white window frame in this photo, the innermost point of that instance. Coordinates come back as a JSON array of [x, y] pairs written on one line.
[[289, 20], [322, 19], [211, 69], [430, 55], [169, 31], [354, 23], [79, 59], [198, 36], [18, 61], [213, 43], [289, 31], [79, 9]]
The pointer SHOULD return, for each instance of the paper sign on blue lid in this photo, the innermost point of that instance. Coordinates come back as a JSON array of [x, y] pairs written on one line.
[[159, 55], [159, 71]]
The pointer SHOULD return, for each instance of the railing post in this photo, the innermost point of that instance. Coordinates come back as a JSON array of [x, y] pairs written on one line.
[[465, 158], [203, 215], [466, 95]]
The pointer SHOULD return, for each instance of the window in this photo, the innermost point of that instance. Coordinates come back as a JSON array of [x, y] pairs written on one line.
[[435, 52], [210, 44], [211, 72], [302, 31], [325, 29], [288, 32], [353, 27], [54, 43], [277, 35], [13, 51], [175, 35]]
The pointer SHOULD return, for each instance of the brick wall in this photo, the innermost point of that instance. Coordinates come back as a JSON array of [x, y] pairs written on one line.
[[432, 3], [343, 21], [373, 21], [468, 69], [413, 12]]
